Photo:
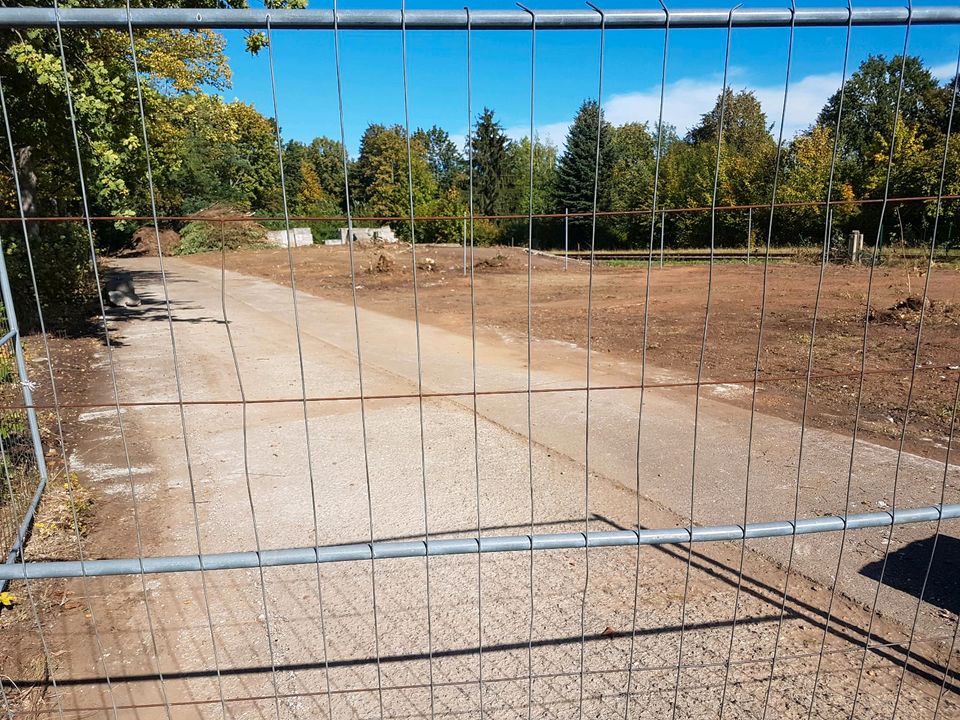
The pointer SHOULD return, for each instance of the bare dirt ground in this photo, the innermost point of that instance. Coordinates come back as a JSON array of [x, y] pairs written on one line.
[[675, 324], [210, 654]]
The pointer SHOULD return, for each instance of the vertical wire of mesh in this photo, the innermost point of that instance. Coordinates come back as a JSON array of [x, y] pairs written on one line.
[[926, 577], [533, 77], [703, 350], [6, 703], [956, 399], [416, 319], [910, 387], [473, 363], [296, 320], [107, 340], [860, 383], [356, 325], [809, 369], [113, 376], [586, 424], [757, 358], [93, 258], [308, 447]]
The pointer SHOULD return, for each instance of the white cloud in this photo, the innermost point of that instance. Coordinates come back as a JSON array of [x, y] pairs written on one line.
[[944, 72], [687, 99], [683, 103], [554, 133], [806, 98]]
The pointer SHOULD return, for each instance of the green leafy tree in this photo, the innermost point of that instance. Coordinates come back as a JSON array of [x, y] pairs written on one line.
[[217, 152], [103, 89], [686, 181], [632, 179], [805, 179], [869, 100], [381, 175], [867, 127], [517, 192], [319, 162], [445, 159], [917, 159], [447, 203], [747, 156], [104, 97]]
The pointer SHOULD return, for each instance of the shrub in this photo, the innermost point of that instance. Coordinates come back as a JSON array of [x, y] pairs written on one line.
[[65, 282], [485, 232], [206, 233]]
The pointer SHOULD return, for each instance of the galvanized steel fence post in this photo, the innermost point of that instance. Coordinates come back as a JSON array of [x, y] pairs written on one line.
[[12, 337]]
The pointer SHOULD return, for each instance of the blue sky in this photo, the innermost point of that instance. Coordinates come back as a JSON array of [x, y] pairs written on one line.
[[567, 64]]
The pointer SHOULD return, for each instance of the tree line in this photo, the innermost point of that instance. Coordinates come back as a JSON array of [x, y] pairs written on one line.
[[615, 168], [206, 151]]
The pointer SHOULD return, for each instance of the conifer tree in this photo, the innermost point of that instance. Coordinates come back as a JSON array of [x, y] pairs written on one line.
[[490, 164], [578, 168]]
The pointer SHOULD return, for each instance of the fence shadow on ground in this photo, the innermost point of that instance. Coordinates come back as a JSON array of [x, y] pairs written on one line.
[[907, 568], [895, 652]]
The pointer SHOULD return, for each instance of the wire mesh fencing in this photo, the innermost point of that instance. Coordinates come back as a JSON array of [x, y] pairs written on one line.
[[315, 503]]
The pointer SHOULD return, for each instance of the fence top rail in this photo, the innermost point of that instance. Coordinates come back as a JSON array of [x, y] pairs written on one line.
[[253, 18]]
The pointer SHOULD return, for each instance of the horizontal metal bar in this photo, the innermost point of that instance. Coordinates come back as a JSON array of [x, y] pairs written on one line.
[[469, 546], [585, 19], [8, 337]]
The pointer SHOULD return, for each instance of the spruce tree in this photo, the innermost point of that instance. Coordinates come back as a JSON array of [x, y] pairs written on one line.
[[490, 164], [578, 169]]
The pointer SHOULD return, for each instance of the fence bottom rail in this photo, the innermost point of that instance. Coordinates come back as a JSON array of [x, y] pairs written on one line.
[[470, 545]]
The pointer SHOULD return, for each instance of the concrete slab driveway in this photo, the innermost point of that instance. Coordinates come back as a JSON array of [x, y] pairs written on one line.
[[328, 652]]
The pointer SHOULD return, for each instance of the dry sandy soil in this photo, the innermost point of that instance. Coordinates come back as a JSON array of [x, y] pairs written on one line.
[[675, 323], [242, 644]]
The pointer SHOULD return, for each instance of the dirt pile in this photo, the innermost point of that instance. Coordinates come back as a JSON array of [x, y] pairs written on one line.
[[907, 312], [144, 242], [383, 265], [497, 261]]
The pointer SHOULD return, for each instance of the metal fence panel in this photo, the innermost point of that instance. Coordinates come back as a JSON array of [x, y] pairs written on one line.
[[308, 596]]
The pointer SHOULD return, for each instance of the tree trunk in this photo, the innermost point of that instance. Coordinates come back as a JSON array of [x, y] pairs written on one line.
[[28, 186]]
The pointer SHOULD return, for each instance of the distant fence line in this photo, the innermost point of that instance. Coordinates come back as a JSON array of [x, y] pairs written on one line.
[[475, 217]]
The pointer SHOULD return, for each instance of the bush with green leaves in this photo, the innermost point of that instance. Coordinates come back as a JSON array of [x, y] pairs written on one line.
[[203, 236], [64, 278]]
